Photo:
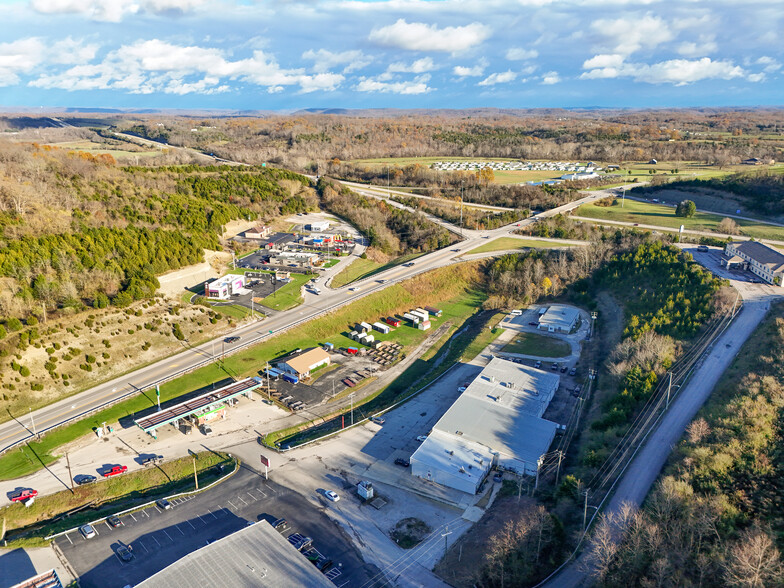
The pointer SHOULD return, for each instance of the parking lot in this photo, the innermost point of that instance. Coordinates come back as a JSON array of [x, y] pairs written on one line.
[[159, 537]]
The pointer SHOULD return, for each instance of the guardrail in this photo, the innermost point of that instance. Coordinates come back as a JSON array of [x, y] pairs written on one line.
[[147, 504]]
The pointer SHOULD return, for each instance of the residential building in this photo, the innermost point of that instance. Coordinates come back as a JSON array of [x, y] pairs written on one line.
[[764, 261], [302, 364]]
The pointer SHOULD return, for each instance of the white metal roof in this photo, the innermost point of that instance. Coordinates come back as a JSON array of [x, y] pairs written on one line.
[[458, 457], [558, 315], [256, 555]]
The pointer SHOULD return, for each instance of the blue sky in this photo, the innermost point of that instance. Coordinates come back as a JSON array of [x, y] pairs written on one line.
[[289, 54]]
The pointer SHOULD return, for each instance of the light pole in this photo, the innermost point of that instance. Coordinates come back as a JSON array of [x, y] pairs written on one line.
[[623, 195], [195, 476], [32, 422], [351, 397]]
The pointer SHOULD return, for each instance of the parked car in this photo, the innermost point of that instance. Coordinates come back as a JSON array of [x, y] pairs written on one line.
[[115, 521], [87, 531], [164, 504], [538, 363], [154, 460], [564, 368], [124, 553], [115, 471], [573, 371], [421, 438], [86, 479], [280, 525], [534, 324], [24, 495], [402, 462], [377, 420], [554, 367], [332, 496], [231, 339], [206, 429]]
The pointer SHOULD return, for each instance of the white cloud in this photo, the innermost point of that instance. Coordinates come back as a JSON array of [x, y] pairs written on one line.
[[70, 51], [520, 54], [416, 86], [770, 64], [498, 78], [418, 36], [419, 66], [152, 66], [115, 10], [628, 34], [679, 72], [550, 78], [19, 57], [705, 45], [756, 77], [325, 60], [474, 71], [604, 60]]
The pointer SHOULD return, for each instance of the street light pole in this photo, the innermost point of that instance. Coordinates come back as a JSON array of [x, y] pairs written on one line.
[[32, 422], [351, 397]]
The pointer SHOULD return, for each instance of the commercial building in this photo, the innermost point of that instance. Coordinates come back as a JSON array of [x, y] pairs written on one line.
[[759, 259], [48, 579], [559, 319], [256, 555], [318, 227], [496, 421], [279, 241], [296, 257], [260, 232], [225, 287], [303, 363]]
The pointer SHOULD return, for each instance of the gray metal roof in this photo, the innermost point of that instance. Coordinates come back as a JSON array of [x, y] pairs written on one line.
[[254, 557], [559, 315], [762, 254], [456, 456]]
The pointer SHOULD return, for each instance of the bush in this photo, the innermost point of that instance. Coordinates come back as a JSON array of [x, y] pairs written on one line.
[[37, 387], [14, 324], [101, 301], [3, 332], [90, 358], [24, 371], [177, 332], [686, 209], [86, 367], [31, 321]]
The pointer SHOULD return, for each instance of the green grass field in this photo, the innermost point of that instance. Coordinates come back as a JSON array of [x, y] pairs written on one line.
[[362, 268], [539, 345], [115, 494], [289, 295], [510, 243], [646, 213], [333, 327], [235, 311]]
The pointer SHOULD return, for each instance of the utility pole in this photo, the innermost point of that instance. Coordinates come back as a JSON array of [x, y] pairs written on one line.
[[68, 465], [585, 510], [558, 470], [158, 395], [669, 387], [32, 422], [351, 397], [623, 195], [461, 209], [538, 466], [594, 314], [446, 535], [195, 477]]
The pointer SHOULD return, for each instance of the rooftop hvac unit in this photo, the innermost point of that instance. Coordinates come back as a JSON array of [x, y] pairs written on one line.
[[451, 452], [492, 378], [462, 470]]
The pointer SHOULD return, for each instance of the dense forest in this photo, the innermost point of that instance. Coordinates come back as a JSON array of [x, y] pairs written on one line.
[[302, 141], [391, 231], [666, 299], [78, 229], [716, 518]]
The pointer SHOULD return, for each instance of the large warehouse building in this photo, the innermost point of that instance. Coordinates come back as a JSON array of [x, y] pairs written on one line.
[[497, 421], [559, 319]]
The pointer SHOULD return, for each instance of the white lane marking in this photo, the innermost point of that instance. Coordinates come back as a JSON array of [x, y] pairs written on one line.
[[154, 539], [231, 503], [69, 539], [191, 524], [251, 495], [180, 530], [169, 536], [242, 501], [134, 518]]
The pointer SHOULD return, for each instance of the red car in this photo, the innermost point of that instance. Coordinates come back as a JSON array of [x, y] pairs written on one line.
[[115, 471], [24, 495]]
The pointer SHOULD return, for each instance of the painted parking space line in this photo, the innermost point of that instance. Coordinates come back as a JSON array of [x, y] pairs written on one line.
[[96, 530], [169, 536], [232, 504], [251, 495], [107, 525], [201, 519], [158, 509], [180, 530], [191, 524], [212, 513], [146, 513], [69, 539], [242, 501], [260, 491], [134, 518], [156, 540], [143, 546]]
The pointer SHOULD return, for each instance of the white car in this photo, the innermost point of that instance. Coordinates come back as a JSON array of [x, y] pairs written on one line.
[[332, 495], [87, 531], [354, 289]]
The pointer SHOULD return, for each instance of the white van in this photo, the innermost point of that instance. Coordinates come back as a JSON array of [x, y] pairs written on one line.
[[516, 312]]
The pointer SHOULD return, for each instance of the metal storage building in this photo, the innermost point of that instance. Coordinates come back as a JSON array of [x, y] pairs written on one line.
[[381, 328], [559, 319], [498, 415], [302, 364]]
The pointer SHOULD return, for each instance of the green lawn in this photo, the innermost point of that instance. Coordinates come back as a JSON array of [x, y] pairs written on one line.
[[333, 327], [235, 311], [115, 494], [539, 345], [331, 262], [664, 216], [289, 295], [362, 268], [508, 243]]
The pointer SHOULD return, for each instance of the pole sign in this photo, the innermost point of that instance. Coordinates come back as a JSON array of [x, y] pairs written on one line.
[[264, 461]]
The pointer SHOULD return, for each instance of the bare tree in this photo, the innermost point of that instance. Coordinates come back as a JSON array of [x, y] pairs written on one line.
[[698, 430], [753, 561], [728, 226]]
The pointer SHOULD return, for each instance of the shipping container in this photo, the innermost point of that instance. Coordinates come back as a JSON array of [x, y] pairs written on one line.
[[393, 321], [352, 350]]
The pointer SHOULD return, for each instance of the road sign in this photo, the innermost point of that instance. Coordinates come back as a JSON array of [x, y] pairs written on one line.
[[264, 461]]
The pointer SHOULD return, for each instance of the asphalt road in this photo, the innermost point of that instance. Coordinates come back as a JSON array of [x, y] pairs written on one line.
[[22, 427], [644, 469], [159, 537]]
